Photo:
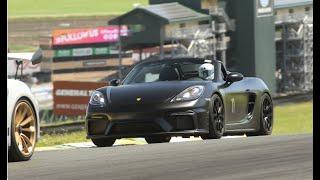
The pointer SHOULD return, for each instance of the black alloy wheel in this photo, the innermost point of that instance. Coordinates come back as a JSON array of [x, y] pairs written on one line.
[[266, 117], [216, 119]]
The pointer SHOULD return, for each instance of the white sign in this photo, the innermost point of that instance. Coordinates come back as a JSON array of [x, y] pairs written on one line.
[[264, 3], [264, 8], [82, 52], [73, 92]]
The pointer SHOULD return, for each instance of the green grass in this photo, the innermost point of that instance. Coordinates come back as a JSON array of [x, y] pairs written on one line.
[[293, 119], [289, 119], [58, 139], [16, 48], [61, 8]]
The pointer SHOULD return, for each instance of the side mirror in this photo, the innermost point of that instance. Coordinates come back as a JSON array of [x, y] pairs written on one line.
[[37, 57], [114, 82], [234, 77]]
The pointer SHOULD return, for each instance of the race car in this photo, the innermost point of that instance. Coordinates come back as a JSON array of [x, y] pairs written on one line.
[[22, 113], [185, 97]]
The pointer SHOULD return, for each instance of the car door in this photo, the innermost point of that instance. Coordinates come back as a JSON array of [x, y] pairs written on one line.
[[235, 100]]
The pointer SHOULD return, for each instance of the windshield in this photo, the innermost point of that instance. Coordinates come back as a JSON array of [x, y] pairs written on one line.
[[167, 71]]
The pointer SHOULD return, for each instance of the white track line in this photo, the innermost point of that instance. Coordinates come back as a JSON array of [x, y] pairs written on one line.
[[121, 142]]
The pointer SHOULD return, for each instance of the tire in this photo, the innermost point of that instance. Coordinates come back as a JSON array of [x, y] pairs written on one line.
[[103, 142], [23, 131], [266, 117], [216, 119], [157, 139]]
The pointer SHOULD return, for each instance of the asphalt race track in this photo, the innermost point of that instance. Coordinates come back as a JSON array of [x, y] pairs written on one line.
[[268, 157]]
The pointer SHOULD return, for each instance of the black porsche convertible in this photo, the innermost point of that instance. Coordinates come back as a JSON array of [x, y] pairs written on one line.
[[184, 97]]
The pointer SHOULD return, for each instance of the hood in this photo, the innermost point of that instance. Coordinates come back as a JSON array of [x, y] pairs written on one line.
[[150, 93]]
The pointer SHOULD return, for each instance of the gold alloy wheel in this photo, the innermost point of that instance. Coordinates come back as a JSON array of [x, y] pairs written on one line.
[[25, 128]]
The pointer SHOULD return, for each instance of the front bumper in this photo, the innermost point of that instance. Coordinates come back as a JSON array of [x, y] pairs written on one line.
[[174, 119]]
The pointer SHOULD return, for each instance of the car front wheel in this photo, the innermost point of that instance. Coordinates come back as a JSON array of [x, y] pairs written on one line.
[[216, 119], [23, 131]]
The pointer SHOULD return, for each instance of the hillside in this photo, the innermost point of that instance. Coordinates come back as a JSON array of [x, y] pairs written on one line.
[[63, 8]]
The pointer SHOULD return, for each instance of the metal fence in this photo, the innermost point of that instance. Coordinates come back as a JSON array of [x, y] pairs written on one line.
[[294, 47]]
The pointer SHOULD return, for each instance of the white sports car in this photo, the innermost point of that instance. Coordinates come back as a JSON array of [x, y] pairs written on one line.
[[22, 115]]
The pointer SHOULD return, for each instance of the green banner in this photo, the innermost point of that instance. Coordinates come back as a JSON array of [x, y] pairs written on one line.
[[78, 52], [101, 51], [63, 53]]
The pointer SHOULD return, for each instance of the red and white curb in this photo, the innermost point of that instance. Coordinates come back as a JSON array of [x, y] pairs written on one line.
[[121, 142]]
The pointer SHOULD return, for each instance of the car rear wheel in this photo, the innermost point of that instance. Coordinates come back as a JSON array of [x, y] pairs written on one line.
[[103, 142], [157, 139], [266, 117], [216, 119], [23, 131]]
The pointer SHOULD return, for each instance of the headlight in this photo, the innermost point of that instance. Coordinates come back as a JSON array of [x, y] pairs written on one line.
[[97, 98], [191, 93]]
